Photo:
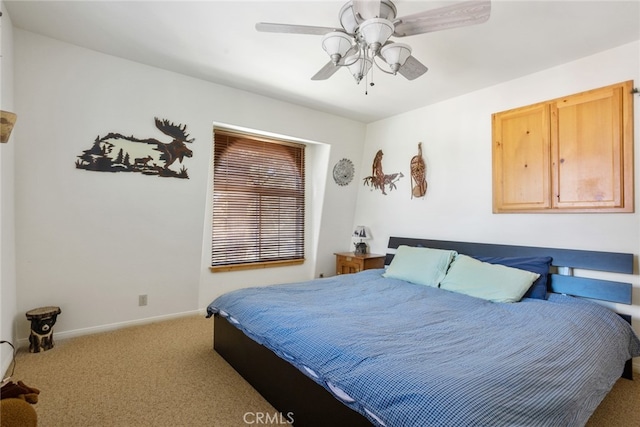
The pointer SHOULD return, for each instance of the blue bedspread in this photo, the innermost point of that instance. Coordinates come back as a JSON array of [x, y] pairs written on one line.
[[409, 355]]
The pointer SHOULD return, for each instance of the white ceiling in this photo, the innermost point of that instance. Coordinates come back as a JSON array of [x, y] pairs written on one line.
[[217, 41]]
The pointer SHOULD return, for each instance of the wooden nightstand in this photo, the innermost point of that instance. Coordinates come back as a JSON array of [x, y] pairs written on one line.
[[348, 262]]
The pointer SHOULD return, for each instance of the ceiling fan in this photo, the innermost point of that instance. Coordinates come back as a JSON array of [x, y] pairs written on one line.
[[368, 25]]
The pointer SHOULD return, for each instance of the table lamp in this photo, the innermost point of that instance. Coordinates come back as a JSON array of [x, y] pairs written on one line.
[[361, 233]]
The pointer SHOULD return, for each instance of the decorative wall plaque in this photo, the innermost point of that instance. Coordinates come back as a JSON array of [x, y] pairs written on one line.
[[418, 174], [115, 152], [343, 172], [378, 179]]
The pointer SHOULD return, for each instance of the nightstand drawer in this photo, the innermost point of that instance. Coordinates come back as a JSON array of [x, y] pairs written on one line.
[[348, 262]]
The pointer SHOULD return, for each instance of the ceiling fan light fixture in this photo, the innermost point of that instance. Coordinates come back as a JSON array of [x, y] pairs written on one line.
[[395, 55], [375, 32], [336, 44], [349, 19], [367, 27], [358, 66]]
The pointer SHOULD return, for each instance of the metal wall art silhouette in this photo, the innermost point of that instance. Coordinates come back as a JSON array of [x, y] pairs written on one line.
[[115, 152], [418, 174], [378, 179]]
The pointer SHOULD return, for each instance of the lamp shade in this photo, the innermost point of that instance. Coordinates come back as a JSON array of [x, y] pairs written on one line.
[[376, 31], [359, 67], [336, 44], [395, 54], [361, 233]]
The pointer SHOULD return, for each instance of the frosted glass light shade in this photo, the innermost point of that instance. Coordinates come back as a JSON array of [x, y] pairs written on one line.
[[395, 54], [348, 19], [359, 67], [376, 30], [336, 44]]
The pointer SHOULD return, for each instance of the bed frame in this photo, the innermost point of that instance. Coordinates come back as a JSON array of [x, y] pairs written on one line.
[[298, 397]]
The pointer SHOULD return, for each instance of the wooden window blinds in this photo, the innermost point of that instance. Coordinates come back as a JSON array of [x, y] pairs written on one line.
[[258, 202]]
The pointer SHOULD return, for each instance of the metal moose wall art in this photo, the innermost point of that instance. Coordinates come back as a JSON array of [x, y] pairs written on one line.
[[115, 152]]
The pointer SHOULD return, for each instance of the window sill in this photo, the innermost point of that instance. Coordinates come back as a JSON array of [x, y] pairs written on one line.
[[255, 265]]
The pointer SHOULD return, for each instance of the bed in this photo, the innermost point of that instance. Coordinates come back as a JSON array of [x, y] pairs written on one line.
[[365, 349]]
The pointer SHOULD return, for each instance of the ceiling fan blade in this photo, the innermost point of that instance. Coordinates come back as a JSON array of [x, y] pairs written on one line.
[[366, 9], [267, 27], [330, 69], [412, 68], [325, 72], [457, 15]]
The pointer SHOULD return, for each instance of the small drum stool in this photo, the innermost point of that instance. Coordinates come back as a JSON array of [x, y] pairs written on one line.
[[42, 321]]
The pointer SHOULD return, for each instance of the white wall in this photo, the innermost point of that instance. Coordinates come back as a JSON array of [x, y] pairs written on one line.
[[91, 242], [456, 140], [8, 294]]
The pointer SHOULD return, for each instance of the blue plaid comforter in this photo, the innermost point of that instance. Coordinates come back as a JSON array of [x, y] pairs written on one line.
[[410, 355]]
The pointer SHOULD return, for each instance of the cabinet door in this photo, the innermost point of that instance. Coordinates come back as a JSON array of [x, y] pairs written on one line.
[[571, 154], [348, 265], [587, 137], [521, 173]]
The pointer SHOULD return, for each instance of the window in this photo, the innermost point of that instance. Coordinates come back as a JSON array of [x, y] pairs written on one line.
[[258, 202]]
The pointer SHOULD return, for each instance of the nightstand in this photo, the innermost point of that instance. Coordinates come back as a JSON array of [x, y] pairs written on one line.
[[348, 262]]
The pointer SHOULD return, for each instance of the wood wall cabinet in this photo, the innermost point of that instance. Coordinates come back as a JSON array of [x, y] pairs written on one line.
[[571, 154], [348, 262]]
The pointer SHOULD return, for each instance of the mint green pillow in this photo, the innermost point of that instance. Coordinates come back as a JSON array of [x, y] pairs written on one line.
[[492, 282], [423, 266]]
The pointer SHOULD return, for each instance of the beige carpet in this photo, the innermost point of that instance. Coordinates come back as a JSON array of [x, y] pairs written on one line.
[[166, 374]]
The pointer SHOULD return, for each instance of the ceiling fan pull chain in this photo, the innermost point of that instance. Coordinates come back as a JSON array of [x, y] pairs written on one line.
[[366, 81], [372, 83], [371, 74]]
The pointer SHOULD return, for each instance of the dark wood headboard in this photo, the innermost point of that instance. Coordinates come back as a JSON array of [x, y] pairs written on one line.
[[564, 259]]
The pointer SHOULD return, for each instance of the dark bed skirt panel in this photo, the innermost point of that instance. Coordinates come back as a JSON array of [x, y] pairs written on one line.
[[628, 366], [291, 392]]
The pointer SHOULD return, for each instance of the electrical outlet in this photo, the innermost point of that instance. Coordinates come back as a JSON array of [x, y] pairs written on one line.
[[142, 300]]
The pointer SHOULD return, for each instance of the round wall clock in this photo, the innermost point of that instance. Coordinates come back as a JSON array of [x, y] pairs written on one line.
[[343, 172]]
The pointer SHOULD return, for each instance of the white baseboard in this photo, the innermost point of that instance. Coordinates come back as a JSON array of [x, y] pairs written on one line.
[[114, 326], [7, 359]]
